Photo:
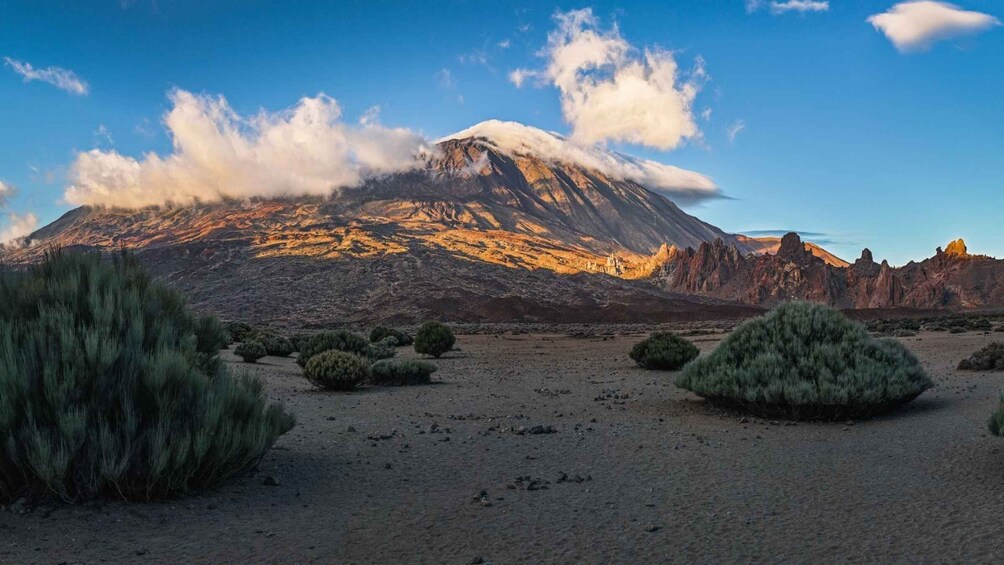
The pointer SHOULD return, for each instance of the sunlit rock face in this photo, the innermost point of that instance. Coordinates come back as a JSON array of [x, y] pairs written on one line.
[[950, 279]]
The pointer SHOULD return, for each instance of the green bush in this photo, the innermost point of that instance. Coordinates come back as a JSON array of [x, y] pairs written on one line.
[[806, 361], [250, 351], [110, 386], [298, 341], [990, 358], [341, 340], [381, 333], [434, 338], [239, 331], [664, 351], [336, 370], [275, 344], [401, 373], [382, 349], [997, 420]]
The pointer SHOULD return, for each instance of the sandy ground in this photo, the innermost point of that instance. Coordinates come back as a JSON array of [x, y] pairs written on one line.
[[393, 475]]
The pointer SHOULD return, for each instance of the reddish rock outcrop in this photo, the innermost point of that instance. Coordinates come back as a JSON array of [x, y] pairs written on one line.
[[951, 279]]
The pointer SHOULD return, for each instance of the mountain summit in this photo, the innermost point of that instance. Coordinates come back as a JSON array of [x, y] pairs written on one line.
[[486, 220]]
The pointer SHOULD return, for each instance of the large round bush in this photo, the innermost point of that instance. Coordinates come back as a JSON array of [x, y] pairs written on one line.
[[341, 340], [806, 361], [110, 386], [434, 338], [664, 351], [336, 370]]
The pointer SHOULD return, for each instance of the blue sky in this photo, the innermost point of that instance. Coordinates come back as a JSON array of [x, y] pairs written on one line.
[[845, 134]]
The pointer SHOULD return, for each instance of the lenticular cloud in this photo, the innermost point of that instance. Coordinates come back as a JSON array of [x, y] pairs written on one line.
[[305, 150]]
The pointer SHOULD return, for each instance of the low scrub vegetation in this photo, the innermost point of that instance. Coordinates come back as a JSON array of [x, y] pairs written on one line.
[[380, 333], [341, 340], [250, 351], [239, 331], [434, 339], [806, 361], [990, 358], [664, 351], [401, 373], [336, 370], [997, 420], [275, 345], [110, 386]]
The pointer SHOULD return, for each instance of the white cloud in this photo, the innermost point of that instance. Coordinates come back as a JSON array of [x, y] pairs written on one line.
[[611, 92], [7, 191], [504, 44], [217, 154], [520, 76], [917, 24], [18, 226], [515, 138], [779, 7], [800, 6], [60, 78], [706, 114], [735, 129]]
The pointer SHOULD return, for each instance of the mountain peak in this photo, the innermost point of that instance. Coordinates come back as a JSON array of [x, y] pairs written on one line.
[[957, 248], [792, 248], [515, 139]]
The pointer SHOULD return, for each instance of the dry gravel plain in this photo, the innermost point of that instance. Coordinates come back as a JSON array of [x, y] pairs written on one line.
[[635, 471]]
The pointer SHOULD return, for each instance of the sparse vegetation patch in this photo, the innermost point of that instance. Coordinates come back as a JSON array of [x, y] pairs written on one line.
[[990, 358], [401, 373]]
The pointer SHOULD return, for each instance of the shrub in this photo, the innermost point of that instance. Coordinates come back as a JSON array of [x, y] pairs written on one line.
[[298, 341], [250, 351], [957, 330], [434, 338], [999, 329], [664, 351], [341, 340], [110, 386], [990, 358], [401, 373], [997, 420], [382, 349], [381, 333], [336, 370], [806, 361], [275, 344], [239, 331]]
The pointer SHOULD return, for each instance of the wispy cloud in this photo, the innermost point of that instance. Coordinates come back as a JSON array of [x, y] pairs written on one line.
[[915, 25], [779, 7], [102, 136], [610, 92], [735, 129], [64, 79], [444, 79], [307, 149]]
